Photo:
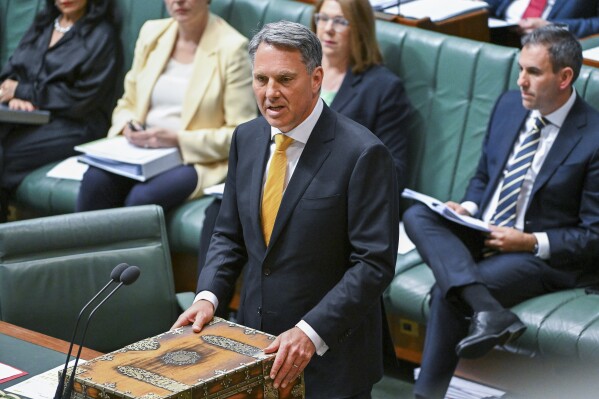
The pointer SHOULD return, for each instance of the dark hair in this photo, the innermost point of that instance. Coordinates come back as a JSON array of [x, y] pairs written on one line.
[[97, 11], [563, 47], [289, 35]]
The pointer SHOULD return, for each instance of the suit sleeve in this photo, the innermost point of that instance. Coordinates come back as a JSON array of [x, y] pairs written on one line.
[[581, 27], [125, 107], [227, 254], [573, 246], [373, 228], [392, 127]]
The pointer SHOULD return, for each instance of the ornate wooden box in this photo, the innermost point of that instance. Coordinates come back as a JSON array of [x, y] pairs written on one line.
[[225, 360]]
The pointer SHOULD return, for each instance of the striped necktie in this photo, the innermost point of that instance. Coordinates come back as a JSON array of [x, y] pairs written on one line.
[[275, 183], [518, 165]]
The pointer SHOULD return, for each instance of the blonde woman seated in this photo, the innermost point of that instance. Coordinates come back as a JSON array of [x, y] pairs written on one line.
[[189, 87]]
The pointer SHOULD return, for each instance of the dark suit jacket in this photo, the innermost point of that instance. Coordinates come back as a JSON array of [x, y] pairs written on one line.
[[331, 254], [564, 201], [377, 100], [581, 16]]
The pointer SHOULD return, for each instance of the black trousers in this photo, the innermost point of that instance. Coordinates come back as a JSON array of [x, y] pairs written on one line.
[[453, 253]]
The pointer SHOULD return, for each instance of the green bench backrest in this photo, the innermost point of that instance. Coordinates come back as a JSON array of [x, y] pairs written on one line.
[[453, 84], [15, 18]]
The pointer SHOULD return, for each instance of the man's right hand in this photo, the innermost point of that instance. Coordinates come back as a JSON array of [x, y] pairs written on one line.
[[200, 313], [457, 208]]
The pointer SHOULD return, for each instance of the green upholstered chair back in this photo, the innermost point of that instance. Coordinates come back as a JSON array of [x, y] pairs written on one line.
[[50, 267], [453, 84], [248, 16], [15, 18]]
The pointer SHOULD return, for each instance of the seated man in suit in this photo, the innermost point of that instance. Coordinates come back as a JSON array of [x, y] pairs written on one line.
[[580, 16], [537, 185], [311, 209]]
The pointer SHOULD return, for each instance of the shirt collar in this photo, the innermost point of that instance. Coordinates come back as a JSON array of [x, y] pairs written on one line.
[[558, 116], [302, 131]]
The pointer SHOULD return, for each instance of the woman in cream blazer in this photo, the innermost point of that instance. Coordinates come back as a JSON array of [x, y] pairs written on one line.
[[218, 97]]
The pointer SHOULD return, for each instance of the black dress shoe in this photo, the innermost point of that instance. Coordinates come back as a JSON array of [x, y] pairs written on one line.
[[488, 329]]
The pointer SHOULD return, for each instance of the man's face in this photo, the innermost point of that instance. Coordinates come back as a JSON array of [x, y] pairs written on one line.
[[541, 88], [286, 93]]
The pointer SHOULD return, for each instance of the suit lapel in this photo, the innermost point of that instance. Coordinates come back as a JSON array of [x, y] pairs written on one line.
[[346, 92], [155, 64], [316, 151], [567, 138], [262, 151], [204, 69]]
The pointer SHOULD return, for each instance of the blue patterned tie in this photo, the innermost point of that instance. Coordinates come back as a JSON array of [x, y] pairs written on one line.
[[518, 165]]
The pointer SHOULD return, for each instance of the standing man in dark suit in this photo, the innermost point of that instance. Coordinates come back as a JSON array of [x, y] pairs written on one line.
[[580, 16], [316, 266], [537, 184]]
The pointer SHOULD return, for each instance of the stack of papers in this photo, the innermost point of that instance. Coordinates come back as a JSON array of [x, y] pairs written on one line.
[[436, 10], [460, 388], [117, 155], [446, 211]]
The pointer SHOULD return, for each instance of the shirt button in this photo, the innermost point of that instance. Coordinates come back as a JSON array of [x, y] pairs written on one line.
[[267, 272]]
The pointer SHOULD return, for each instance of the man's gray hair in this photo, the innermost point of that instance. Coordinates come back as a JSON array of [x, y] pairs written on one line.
[[563, 47], [289, 35]]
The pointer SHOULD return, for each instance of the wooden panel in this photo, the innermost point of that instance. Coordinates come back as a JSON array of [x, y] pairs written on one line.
[[44, 340]]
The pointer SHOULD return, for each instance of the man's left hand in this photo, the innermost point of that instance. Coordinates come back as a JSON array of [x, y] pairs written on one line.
[[507, 239], [294, 351]]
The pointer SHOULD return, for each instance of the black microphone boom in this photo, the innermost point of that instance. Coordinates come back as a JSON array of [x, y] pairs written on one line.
[[128, 276], [115, 277]]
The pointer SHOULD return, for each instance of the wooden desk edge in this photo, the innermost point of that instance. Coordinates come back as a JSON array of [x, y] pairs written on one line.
[[44, 340]]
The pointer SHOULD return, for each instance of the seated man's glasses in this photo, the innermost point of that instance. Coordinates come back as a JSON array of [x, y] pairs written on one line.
[[339, 23]]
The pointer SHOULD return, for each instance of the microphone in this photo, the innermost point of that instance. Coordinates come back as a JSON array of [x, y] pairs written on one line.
[[128, 277], [115, 277]]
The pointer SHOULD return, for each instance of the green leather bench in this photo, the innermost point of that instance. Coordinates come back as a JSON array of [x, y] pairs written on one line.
[[51, 266], [453, 84]]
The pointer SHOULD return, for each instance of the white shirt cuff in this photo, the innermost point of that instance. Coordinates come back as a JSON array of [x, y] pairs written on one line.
[[321, 347], [470, 206], [543, 242], [208, 296]]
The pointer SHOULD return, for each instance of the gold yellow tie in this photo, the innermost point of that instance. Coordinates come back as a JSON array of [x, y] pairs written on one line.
[[275, 182]]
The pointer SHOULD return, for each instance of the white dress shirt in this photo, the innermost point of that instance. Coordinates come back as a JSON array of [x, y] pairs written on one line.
[[548, 136], [300, 134]]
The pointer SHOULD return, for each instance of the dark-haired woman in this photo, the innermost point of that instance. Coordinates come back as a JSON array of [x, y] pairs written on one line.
[[66, 64]]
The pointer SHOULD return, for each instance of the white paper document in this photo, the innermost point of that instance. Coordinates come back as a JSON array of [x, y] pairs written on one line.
[[591, 54], [446, 211], [70, 169], [460, 388], [117, 155], [41, 386], [436, 10], [8, 373], [216, 190]]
